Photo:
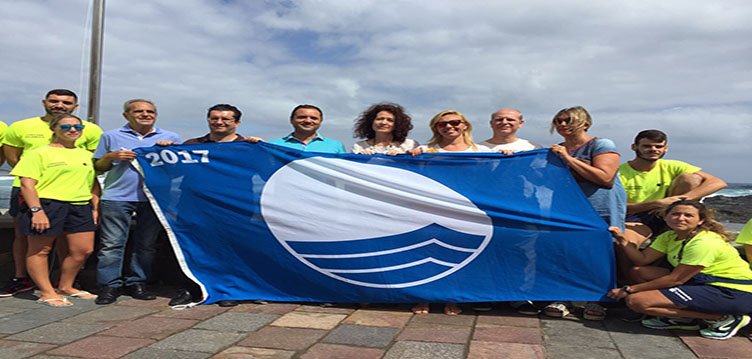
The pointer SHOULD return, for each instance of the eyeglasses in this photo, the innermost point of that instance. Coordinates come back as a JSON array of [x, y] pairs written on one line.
[[225, 120], [68, 127], [564, 120], [453, 123]]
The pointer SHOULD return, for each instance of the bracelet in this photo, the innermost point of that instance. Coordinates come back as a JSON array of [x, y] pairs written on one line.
[[626, 289]]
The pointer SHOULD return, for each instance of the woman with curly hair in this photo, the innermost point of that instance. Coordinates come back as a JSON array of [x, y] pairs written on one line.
[[709, 280], [385, 127]]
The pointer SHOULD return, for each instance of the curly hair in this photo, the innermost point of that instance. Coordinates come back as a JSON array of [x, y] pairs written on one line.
[[706, 215], [436, 138], [402, 122]]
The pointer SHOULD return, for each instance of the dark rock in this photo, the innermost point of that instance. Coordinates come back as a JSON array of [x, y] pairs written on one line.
[[730, 209]]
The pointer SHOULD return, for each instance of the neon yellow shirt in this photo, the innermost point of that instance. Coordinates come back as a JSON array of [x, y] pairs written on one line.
[[745, 235], [63, 174], [709, 250], [3, 129], [34, 132], [654, 184]]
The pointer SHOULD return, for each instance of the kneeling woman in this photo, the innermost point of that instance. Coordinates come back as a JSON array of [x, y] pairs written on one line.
[[61, 196], [709, 281]]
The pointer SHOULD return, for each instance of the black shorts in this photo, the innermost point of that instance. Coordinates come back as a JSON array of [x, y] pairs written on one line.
[[63, 217], [710, 299], [15, 201], [652, 220]]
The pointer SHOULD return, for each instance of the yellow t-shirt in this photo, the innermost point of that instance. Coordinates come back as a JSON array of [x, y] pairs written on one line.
[[709, 250], [745, 235], [654, 184], [63, 174], [3, 128], [34, 132]]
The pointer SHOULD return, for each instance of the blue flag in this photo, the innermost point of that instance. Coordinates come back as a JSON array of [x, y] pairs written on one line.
[[259, 221]]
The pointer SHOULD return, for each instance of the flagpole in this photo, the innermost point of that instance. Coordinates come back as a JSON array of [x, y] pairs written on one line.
[[95, 68]]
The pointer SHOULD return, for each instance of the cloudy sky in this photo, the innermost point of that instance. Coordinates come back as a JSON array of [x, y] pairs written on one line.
[[681, 66]]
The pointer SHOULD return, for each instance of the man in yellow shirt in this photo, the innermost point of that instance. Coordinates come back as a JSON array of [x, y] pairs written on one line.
[[653, 183], [22, 137]]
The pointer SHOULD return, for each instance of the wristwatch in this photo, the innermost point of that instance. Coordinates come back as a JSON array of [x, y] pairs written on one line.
[[35, 209], [626, 289]]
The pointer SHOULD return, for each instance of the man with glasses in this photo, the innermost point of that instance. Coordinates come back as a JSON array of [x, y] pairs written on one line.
[[505, 123], [123, 196], [306, 120], [22, 137]]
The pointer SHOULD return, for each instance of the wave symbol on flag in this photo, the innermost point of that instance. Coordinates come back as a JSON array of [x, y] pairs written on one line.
[[372, 225]]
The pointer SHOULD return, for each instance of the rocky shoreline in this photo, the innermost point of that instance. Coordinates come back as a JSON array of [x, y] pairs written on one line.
[[730, 209]]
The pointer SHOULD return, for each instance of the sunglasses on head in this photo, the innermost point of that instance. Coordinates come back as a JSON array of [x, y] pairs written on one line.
[[68, 127], [453, 123]]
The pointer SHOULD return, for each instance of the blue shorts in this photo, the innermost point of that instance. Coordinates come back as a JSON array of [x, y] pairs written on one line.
[[652, 220], [64, 217], [15, 201], [707, 298]]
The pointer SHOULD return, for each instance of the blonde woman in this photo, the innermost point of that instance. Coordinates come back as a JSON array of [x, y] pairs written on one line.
[[61, 197], [452, 132]]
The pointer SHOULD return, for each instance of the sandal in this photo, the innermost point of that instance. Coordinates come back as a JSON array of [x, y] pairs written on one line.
[[420, 308], [452, 309], [556, 310], [594, 311], [48, 302], [82, 295]]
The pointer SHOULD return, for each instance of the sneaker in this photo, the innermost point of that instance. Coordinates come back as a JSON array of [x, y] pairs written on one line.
[[528, 308], [725, 328], [16, 285], [631, 316], [671, 323]]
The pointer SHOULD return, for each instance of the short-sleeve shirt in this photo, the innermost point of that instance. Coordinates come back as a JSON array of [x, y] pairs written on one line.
[[3, 128], [34, 132], [63, 174], [403, 147], [206, 139], [610, 203], [745, 235], [708, 249], [517, 146], [654, 184], [123, 182], [316, 144]]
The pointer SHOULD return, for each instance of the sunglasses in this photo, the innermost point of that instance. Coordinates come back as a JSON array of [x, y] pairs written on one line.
[[453, 123], [565, 120], [68, 127]]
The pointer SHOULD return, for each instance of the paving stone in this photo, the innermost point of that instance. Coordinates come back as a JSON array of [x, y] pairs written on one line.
[[111, 314], [237, 322], [493, 350], [6, 311], [39, 316], [101, 347], [150, 327], [573, 332], [159, 303], [508, 321], [199, 312], [441, 334], [25, 300], [364, 336], [283, 338], [11, 349], [151, 353], [422, 350], [334, 351], [309, 320], [735, 348], [443, 319], [59, 333], [378, 318], [270, 308], [328, 310], [561, 351], [52, 357], [199, 340], [633, 340], [253, 353], [509, 335]]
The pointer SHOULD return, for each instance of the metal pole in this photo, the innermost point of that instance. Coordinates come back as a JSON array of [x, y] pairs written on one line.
[[95, 64]]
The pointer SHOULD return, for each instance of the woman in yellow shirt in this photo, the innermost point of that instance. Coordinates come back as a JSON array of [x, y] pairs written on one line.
[[61, 196]]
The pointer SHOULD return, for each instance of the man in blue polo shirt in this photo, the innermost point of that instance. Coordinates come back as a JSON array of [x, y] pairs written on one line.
[[306, 120], [123, 195]]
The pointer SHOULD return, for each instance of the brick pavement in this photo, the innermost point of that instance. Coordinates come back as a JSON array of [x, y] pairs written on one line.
[[150, 329]]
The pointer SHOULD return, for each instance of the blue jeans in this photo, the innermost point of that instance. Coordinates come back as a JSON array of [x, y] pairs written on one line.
[[115, 219]]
